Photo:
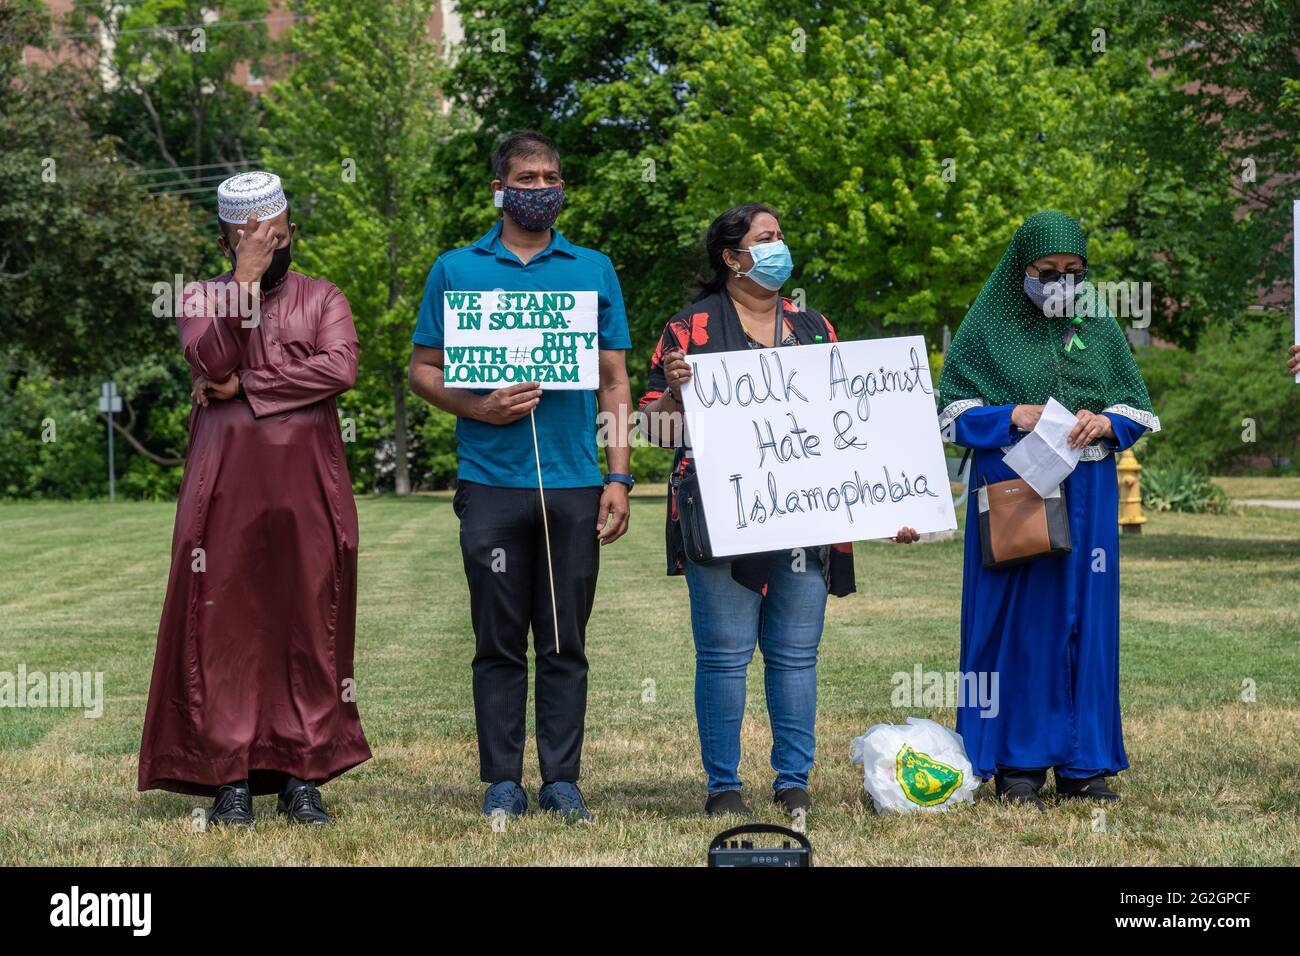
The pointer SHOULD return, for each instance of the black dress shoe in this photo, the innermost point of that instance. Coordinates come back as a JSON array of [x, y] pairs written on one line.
[[1020, 787], [726, 802], [1087, 788], [233, 806], [793, 799], [301, 803]]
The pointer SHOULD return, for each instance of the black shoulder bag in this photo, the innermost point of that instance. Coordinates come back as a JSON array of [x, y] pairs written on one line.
[[690, 517]]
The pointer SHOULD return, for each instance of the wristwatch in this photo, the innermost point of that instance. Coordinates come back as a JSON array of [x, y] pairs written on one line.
[[621, 479]]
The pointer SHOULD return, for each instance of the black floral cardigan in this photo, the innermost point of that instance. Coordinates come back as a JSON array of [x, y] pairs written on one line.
[[712, 325]]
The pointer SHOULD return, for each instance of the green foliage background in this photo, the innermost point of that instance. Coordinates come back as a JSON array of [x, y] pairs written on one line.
[[902, 141]]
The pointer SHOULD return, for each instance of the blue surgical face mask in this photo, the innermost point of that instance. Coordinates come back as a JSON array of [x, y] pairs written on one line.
[[772, 264]]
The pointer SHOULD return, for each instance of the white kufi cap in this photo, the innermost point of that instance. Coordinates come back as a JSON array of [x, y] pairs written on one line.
[[253, 193]]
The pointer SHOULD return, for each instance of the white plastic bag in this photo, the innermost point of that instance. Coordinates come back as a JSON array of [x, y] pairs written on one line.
[[919, 765]]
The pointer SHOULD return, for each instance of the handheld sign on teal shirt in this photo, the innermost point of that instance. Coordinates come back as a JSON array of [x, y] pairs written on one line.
[[497, 338]]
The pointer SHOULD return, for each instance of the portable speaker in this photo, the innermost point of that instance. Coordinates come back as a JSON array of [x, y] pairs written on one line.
[[727, 851]]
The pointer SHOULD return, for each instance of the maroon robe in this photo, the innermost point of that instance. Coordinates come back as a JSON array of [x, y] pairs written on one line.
[[253, 673]]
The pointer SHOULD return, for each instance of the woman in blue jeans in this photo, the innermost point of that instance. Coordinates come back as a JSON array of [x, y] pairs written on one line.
[[775, 600]]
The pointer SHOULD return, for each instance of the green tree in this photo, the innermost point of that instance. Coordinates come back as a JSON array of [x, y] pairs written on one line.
[[903, 148], [351, 130], [1189, 239], [604, 79], [169, 70], [1228, 405], [903, 142], [53, 441], [81, 251], [1239, 64]]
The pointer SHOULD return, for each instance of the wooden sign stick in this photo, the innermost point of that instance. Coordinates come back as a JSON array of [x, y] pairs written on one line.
[[546, 530]]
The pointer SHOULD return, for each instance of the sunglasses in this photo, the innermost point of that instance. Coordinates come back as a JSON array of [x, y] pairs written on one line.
[[1048, 276]]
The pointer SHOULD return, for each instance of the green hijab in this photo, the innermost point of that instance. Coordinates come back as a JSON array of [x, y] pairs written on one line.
[[1008, 352]]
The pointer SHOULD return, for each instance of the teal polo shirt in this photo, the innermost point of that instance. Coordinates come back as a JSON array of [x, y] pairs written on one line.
[[502, 455]]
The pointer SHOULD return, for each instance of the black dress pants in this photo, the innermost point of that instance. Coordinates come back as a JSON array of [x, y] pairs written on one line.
[[504, 548]]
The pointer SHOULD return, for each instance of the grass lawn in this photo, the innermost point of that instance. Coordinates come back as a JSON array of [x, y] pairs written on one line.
[[1267, 486], [1208, 602]]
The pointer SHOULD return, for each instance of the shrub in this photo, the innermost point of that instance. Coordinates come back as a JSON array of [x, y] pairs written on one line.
[[1175, 486]]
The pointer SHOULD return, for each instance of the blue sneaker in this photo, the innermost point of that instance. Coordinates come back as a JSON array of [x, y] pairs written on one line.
[[506, 796], [565, 799]]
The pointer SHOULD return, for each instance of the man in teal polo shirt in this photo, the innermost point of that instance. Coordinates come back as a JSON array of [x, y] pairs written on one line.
[[502, 532]]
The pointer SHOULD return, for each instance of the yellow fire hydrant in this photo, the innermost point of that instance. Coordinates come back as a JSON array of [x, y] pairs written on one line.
[[1127, 468]]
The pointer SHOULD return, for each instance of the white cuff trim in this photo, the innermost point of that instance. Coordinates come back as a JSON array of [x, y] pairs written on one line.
[[953, 411], [1143, 418]]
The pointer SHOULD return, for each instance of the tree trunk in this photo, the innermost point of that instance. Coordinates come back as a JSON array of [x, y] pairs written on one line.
[[402, 474]]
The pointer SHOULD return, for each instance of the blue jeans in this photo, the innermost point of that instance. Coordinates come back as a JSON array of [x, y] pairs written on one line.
[[728, 620]]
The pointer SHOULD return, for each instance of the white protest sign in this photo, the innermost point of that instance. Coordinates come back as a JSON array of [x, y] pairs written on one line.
[[816, 444], [495, 338]]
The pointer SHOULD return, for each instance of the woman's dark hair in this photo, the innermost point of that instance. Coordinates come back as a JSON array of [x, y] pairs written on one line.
[[724, 233]]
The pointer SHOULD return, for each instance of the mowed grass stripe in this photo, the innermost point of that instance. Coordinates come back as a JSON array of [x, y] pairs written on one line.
[[1209, 608]]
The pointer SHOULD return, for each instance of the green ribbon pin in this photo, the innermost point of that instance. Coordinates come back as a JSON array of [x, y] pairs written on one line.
[[1073, 335]]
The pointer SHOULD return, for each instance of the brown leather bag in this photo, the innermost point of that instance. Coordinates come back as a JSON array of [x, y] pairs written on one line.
[[1017, 525]]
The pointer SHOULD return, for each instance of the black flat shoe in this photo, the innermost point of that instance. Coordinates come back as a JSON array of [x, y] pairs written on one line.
[[301, 803], [233, 806], [793, 799], [1020, 787], [726, 802], [1088, 788], [1022, 793]]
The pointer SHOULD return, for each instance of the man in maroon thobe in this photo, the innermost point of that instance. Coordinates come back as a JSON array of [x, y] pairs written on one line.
[[253, 688]]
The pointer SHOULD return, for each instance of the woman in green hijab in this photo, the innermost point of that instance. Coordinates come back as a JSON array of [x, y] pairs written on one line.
[[1047, 631]]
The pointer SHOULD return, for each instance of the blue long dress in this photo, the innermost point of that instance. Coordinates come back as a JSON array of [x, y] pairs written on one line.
[[1048, 629]]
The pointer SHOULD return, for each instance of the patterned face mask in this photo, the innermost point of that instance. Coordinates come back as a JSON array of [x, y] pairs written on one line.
[[1039, 291], [533, 209]]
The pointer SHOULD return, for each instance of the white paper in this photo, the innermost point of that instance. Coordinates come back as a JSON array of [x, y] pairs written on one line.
[[798, 447], [496, 338], [1044, 458]]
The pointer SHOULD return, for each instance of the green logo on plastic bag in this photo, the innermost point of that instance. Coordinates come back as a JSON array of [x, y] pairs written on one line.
[[925, 781]]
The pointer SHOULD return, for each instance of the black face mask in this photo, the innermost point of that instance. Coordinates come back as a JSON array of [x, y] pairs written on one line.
[[280, 260]]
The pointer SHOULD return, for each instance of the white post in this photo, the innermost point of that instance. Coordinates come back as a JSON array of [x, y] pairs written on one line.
[[110, 403]]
